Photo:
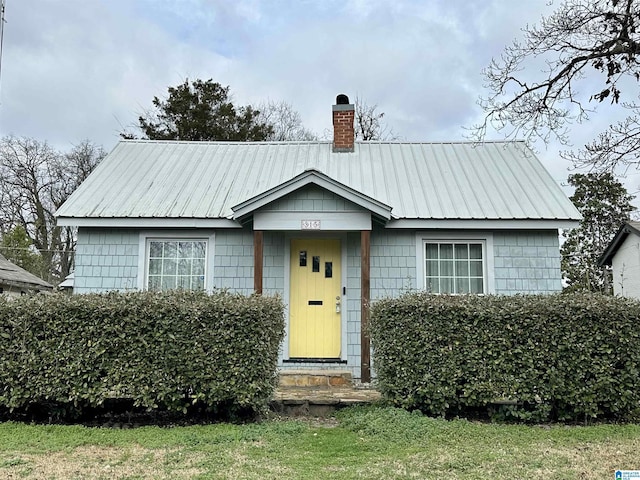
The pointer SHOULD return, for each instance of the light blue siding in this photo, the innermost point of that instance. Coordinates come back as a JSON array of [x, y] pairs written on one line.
[[312, 199], [527, 262], [233, 261], [273, 264], [393, 263], [106, 259]]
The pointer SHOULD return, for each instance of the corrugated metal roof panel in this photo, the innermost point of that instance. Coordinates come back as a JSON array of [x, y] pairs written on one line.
[[494, 180]]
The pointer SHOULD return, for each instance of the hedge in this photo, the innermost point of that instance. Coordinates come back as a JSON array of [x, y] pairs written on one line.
[[161, 350], [533, 358]]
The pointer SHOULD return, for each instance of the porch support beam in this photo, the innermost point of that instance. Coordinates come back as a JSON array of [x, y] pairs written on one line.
[[365, 300], [258, 247]]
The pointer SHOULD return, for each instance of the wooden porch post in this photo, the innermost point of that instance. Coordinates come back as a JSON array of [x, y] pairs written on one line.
[[365, 287], [257, 261]]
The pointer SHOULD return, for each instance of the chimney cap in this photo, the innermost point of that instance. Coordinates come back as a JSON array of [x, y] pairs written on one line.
[[342, 99]]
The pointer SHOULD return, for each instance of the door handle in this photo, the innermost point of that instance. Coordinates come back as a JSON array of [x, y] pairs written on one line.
[[338, 304]]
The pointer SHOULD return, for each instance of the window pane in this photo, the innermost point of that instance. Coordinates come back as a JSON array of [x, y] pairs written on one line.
[[184, 282], [477, 285], [475, 251], [155, 249], [197, 283], [462, 285], [168, 283], [303, 258], [185, 249], [475, 268], [197, 267], [432, 285], [155, 266], [154, 283], [432, 268], [461, 251], [169, 266], [315, 267], [432, 251], [170, 249], [462, 268], [328, 269], [184, 267], [446, 268], [199, 249], [446, 250], [446, 285]]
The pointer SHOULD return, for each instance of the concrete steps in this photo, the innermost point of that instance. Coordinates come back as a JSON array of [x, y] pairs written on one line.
[[318, 392]]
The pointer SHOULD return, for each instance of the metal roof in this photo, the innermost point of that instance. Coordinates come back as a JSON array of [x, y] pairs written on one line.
[[623, 232], [204, 180], [11, 274]]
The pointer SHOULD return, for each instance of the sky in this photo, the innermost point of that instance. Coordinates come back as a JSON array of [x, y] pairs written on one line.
[[86, 69]]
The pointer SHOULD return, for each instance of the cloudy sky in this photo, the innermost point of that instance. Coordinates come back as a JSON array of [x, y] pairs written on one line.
[[85, 69]]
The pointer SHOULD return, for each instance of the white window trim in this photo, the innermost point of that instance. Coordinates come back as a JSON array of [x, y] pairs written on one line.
[[485, 238], [168, 235]]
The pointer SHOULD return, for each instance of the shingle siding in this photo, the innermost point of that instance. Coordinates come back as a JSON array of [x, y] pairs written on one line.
[[393, 263], [233, 261], [106, 259], [312, 199], [527, 262]]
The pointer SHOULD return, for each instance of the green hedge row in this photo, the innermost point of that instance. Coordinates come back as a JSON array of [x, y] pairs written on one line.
[[161, 350], [533, 358]]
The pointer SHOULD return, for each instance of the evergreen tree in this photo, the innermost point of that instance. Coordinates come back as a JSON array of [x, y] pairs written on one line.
[[17, 247], [201, 110], [605, 206]]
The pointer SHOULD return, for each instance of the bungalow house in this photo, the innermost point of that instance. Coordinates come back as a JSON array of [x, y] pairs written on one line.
[[623, 256], [16, 281], [330, 226]]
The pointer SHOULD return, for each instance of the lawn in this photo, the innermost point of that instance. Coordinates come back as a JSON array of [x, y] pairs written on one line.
[[362, 443]]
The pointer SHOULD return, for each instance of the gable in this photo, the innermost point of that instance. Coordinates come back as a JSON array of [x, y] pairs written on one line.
[[312, 208]]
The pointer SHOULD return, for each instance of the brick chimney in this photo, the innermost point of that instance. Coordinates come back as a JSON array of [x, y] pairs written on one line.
[[343, 117]]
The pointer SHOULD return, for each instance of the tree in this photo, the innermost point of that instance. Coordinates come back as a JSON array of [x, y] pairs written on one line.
[[594, 44], [605, 206], [35, 180], [17, 247], [201, 110], [369, 124], [285, 122]]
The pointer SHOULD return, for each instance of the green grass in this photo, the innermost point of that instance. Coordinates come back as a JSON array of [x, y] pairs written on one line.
[[374, 442]]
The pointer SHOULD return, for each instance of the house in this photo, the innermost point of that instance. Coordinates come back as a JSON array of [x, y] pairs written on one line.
[[623, 256], [16, 281], [330, 226]]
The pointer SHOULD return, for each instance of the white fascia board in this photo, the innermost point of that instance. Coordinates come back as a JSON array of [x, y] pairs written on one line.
[[459, 224], [148, 222], [331, 221]]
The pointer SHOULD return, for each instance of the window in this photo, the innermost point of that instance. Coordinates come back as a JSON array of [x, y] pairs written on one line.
[[176, 263], [455, 267]]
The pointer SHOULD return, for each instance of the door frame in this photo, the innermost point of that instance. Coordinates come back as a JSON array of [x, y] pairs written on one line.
[[342, 237]]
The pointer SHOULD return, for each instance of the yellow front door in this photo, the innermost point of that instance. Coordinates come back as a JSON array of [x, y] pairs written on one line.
[[315, 299]]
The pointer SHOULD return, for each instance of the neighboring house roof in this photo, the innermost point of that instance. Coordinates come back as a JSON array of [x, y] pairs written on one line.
[[68, 281], [201, 182], [14, 276], [630, 227]]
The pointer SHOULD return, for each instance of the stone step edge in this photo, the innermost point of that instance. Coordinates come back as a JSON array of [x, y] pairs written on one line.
[[317, 378]]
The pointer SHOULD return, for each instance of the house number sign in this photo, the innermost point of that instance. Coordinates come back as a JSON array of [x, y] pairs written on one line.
[[310, 225]]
